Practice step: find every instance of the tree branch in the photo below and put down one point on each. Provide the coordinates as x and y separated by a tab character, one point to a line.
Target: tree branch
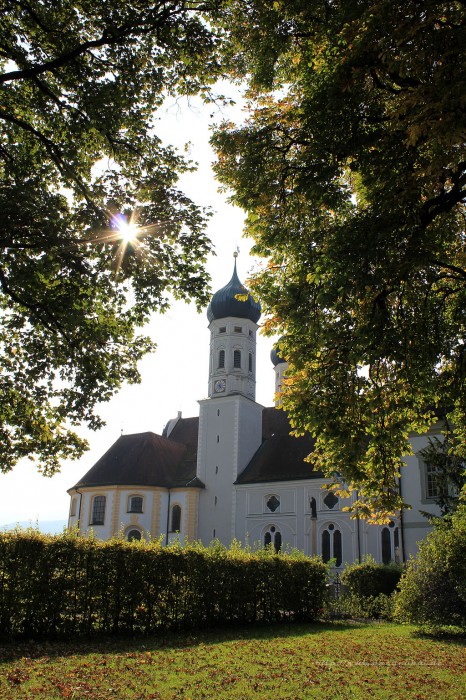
449	266
37	19
52	325
54	153
447	199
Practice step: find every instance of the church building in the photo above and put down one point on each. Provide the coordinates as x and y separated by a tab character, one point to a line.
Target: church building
234	472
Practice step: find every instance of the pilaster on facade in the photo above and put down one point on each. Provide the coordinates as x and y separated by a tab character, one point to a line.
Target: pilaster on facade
155	528
191	514
115	525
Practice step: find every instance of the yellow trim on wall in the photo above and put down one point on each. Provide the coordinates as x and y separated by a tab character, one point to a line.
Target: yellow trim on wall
155	529
192	501
115	521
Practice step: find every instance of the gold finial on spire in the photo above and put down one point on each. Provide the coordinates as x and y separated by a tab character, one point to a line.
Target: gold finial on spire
236	253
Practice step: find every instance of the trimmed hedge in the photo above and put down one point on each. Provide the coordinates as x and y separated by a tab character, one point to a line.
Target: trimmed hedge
69	585
370	579
352	607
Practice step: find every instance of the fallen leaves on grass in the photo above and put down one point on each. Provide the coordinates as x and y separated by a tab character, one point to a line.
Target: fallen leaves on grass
339	661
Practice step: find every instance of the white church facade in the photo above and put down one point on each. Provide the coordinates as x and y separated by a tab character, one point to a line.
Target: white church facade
234	472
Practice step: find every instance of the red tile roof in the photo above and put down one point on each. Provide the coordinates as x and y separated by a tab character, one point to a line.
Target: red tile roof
147	459
143	459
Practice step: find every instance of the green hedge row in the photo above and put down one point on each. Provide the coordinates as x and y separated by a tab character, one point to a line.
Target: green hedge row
68	585
369	579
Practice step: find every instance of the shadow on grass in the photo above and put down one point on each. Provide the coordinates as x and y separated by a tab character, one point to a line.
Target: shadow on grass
126	643
108	644
446	635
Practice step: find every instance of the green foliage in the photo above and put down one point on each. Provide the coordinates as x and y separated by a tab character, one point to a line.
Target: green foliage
70	585
433	589
350	606
80	86
367	591
371	579
351	167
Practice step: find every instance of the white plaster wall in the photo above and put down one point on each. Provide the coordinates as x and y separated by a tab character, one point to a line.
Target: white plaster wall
237	380
141	521
167	501
230	433
126	521
249	432
102	532
258	525
293	518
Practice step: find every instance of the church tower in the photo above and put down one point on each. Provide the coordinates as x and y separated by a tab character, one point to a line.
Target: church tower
230	420
280	367
233	316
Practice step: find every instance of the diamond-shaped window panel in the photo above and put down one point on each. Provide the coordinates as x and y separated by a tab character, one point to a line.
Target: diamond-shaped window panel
273	503
330	500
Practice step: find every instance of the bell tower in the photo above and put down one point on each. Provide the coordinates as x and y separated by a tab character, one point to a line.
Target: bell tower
230	420
280	366
233	316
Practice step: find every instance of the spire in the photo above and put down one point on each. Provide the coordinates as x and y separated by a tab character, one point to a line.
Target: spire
225	303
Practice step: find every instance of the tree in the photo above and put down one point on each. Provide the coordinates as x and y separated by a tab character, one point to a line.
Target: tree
352	169
433	589
79	88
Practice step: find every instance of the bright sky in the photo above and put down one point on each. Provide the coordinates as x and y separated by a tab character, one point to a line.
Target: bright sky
175	377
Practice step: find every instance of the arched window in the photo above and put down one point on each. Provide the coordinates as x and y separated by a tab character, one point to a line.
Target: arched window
273	536
176	519
390	540
386	546
332	546
237	359
98	510
135	504
221	359
250	362
326	546
337	548
133	535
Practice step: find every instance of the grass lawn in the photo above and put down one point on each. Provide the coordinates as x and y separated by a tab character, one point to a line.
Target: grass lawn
258	662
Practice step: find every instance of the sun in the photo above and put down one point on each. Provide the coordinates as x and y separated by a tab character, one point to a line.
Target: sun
127	230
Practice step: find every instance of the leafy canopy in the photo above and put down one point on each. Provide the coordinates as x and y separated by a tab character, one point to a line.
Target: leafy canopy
352	168
80	85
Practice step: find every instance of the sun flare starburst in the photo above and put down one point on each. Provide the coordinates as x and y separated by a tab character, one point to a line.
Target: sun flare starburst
127	230
127	237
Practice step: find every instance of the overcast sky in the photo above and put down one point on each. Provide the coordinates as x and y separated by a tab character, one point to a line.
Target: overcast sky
175	377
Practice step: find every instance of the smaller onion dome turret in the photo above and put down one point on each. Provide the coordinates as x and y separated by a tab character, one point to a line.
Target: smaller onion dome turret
275	354
224	302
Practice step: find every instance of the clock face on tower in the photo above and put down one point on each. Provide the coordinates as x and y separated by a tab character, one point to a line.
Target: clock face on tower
219	386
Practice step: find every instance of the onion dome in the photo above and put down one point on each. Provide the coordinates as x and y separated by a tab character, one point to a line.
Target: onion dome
275	354
224	302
